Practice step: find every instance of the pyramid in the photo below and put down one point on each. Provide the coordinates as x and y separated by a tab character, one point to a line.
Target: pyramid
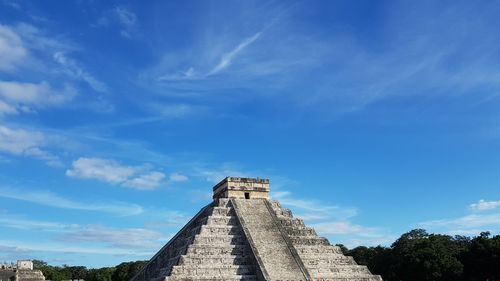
243	235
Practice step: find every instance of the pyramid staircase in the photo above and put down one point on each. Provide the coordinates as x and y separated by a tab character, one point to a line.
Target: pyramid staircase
210	247
242	235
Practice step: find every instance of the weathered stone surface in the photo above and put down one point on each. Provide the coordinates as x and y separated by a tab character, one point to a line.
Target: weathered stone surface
274	254
242	235
22	271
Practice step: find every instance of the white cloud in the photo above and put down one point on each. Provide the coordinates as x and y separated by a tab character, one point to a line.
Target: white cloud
74	69
230	56
56	201
217	174
36	39
313	209
468	221
102	169
18	97
176	177
122	17
470	224
344	228
5	109
84	234
26	143
189	74
127	19
138	238
149	180
111	171
225	62
12	50
23	246
27	224
483	205
174	110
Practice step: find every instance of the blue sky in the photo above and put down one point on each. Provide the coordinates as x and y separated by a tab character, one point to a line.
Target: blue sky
370	118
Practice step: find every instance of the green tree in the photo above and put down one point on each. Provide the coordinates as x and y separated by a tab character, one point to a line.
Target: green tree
100	274
482	259
424	257
126	270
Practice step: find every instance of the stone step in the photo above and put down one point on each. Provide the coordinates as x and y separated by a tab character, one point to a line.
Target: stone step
291	222
283	213
300	231
214	278
306	249
221	249
351	270
216	260
194	271
309	240
217	239
315	260
220	220
222	211
218	230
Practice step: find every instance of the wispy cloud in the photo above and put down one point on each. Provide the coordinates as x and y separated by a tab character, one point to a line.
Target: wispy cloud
127	19
23	246
27	224
50	73
50	199
27	143
175	110
215	175
176	177
468	221
227	58
12	51
111	171
314	209
483	205
225	61
74	69
122	17
126	238
469	224
345	228
27	97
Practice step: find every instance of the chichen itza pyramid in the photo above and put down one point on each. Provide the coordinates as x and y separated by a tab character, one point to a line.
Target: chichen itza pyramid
243	235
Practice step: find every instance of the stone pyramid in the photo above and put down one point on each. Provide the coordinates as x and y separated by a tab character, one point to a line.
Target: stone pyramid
243	235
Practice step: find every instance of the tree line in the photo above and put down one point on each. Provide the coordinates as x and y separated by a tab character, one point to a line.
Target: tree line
415	256
418	255
122	272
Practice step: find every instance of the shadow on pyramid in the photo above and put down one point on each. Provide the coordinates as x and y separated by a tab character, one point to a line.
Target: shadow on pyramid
243	235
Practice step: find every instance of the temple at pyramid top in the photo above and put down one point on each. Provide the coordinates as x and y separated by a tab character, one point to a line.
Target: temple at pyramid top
245	188
243	235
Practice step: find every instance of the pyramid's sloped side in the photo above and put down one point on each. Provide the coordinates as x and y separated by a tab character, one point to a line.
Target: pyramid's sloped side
161	264
322	260
275	254
219	250
210	247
